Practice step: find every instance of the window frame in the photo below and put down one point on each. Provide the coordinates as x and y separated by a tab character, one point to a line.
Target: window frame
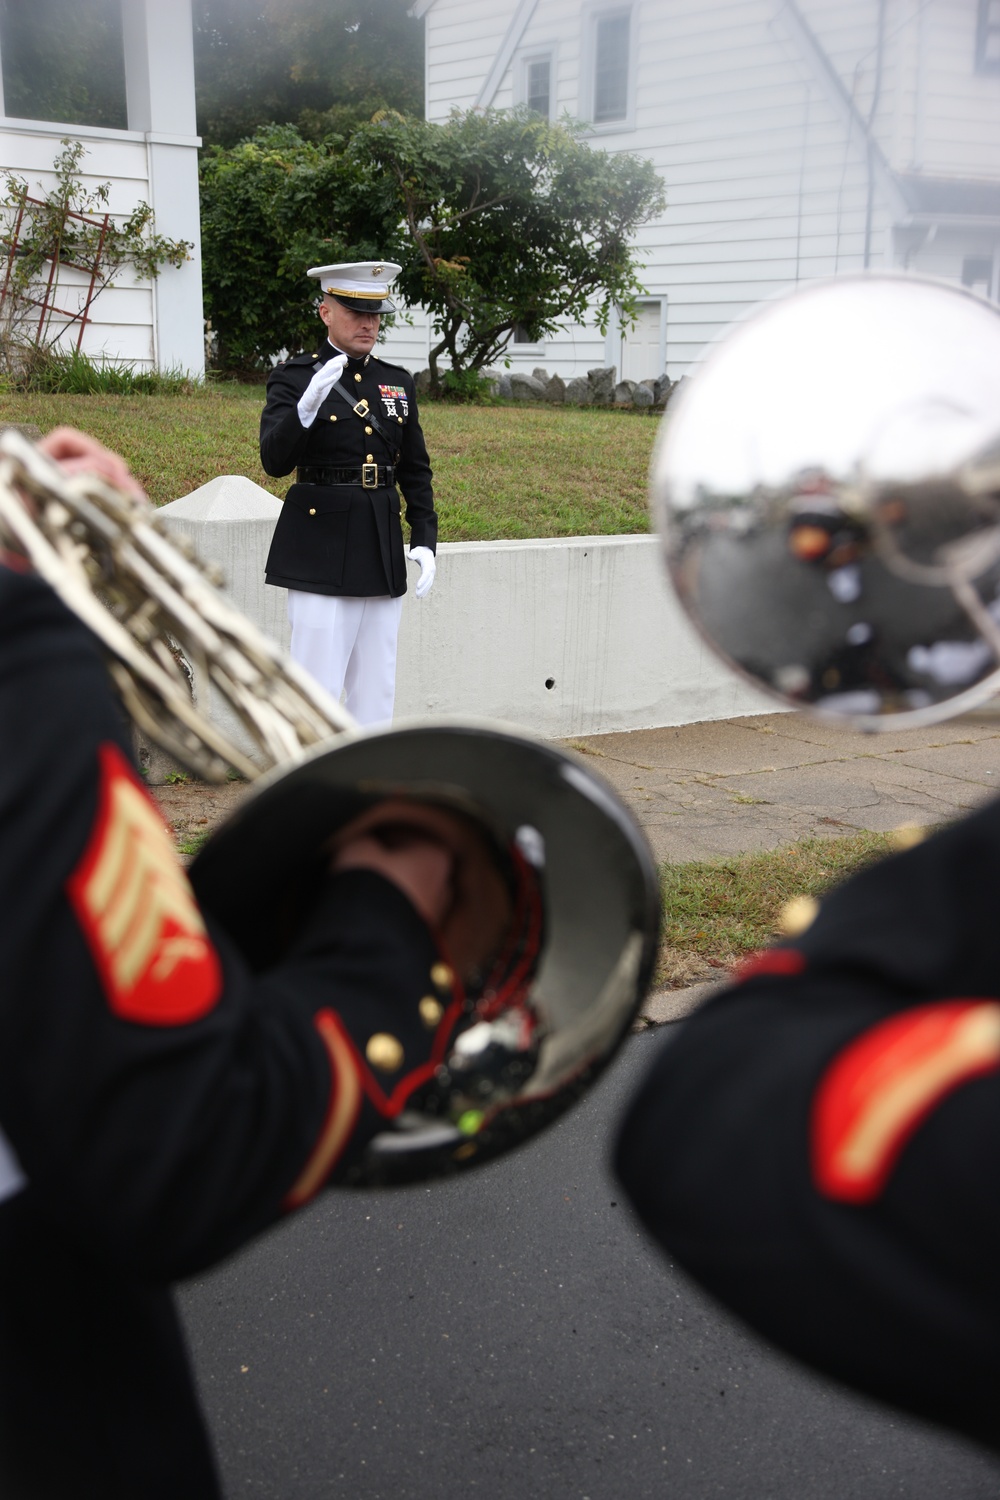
983	258
519	346
541	53
593	15
987	30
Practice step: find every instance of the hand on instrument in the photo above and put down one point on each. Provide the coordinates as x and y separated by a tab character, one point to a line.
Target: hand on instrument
77	453
442	863
425	560
394	841
320	387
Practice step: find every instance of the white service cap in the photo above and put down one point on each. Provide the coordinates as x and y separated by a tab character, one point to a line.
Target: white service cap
360	284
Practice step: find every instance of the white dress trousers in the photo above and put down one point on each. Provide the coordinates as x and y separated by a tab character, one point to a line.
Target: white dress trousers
349	646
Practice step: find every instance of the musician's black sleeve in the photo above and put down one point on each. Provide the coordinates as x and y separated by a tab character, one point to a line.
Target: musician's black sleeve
820	1146
163	1103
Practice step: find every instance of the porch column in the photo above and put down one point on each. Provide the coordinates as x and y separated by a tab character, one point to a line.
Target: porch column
159	84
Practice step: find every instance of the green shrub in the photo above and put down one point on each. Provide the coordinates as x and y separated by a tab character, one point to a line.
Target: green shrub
465	385
271	207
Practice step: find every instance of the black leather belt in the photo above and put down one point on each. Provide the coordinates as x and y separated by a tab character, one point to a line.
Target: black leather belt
369	476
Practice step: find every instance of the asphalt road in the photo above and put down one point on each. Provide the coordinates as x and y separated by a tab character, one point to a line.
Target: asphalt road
512	1334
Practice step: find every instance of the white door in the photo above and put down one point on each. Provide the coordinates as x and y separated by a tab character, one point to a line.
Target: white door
642	348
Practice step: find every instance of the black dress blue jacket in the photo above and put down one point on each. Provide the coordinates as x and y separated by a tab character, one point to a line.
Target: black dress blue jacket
820	1144
344	538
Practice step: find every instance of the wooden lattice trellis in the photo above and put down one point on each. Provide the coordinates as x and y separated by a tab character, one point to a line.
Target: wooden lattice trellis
47	303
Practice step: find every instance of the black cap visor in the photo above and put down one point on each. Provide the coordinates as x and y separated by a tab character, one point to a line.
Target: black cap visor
378	305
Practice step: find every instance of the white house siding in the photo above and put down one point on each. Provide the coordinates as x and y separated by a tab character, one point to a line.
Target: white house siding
936	114
751	152
952	113
406	343
466	38
122	316
761	146
155	161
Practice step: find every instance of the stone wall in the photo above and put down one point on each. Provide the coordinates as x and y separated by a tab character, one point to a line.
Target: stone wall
564	636
597	388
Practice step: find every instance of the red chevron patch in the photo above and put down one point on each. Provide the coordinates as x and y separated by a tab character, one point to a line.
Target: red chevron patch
883	1085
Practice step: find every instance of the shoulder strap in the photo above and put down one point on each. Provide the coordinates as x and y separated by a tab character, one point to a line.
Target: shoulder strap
363	410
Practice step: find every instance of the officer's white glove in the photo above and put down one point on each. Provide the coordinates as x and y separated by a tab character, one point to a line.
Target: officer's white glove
424	558
319	388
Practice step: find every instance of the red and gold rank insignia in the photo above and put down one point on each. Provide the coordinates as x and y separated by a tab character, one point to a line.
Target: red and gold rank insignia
878	1091
137	910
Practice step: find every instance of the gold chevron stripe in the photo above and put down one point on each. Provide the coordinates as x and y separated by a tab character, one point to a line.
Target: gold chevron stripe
137	911
345	1101
137	886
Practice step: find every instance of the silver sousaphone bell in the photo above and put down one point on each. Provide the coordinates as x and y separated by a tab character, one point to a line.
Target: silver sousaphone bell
827	486
516	1067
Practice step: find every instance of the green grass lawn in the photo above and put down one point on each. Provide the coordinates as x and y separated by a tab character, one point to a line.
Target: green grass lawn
500	472
716	912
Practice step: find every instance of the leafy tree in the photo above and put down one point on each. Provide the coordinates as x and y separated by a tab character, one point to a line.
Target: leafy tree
508	220
271	207
496	219
324	64
320	64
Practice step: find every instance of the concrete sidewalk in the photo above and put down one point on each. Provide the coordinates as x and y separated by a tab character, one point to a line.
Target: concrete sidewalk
704	791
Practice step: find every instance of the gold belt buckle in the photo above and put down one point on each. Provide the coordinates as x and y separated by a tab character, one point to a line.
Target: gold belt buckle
361	409
369	476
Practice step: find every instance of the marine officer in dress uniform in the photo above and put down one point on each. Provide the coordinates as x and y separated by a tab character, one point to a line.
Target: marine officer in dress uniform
347	421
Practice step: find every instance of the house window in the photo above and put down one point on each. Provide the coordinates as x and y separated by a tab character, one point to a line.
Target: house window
64	63
977	274
988	37
538	85
522	336
611	67
535	81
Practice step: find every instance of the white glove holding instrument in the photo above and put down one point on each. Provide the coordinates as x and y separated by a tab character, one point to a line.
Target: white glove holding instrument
319	388
424	558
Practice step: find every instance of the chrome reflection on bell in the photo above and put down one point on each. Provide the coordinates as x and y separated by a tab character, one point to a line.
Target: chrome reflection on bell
828	490
575	957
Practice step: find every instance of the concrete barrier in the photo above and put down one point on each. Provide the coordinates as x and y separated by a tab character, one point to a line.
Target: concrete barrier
568	637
